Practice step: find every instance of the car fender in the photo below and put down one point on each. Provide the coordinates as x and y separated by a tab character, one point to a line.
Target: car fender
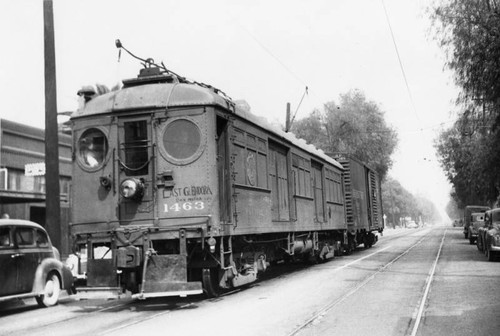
47	266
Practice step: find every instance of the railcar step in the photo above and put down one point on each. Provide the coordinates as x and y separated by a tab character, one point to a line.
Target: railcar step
100	293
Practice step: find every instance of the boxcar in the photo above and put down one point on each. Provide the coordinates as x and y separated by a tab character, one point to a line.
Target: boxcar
363	201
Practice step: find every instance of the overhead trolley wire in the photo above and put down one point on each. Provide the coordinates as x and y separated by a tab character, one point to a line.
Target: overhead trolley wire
306	91
273	56
400	62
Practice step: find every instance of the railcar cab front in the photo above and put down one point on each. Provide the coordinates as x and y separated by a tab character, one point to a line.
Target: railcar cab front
150	177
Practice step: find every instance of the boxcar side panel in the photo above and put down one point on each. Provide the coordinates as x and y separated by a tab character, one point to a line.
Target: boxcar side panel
359	195
300	193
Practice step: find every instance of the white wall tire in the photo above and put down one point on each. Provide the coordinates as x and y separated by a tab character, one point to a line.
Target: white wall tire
51	292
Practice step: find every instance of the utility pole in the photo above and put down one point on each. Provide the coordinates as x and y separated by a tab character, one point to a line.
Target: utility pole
52	191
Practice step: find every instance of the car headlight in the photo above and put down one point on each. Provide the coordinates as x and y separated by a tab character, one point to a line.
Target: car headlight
132	189
72	262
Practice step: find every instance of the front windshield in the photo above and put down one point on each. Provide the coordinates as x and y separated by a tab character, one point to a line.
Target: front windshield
495	217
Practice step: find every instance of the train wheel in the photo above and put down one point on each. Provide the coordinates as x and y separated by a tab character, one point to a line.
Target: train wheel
490	255
210	280
340	251
368	240
348	249
311	258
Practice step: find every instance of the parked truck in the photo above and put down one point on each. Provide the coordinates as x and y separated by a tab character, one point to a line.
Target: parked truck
469	209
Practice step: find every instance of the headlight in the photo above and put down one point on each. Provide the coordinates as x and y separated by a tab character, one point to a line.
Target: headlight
132	189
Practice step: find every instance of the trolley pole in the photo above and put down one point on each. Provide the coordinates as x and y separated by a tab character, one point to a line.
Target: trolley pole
288	122
52	193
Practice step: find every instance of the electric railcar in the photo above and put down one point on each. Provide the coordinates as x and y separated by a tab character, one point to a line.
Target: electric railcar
178	190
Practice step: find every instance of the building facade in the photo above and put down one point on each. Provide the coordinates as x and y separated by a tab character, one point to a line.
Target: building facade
22	180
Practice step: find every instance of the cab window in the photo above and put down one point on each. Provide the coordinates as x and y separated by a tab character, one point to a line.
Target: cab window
135	148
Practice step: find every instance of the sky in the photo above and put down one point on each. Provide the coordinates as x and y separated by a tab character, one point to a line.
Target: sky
265	52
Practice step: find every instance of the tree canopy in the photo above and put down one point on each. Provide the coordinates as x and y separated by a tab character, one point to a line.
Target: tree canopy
399	203
355	126
452	210
469	32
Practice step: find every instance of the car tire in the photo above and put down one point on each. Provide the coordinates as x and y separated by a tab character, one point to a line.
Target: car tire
51	291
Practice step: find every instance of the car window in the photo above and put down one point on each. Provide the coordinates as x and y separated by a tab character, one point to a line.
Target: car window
4	237
41	239
24	237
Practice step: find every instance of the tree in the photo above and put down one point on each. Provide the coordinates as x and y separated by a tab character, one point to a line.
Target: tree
355	126
426	210
469	162
400	203
310	128
394	201
452	210
469	32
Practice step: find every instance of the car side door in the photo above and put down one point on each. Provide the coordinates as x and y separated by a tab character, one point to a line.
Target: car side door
27	257
8	270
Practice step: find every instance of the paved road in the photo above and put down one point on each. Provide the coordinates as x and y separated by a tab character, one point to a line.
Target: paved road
426	281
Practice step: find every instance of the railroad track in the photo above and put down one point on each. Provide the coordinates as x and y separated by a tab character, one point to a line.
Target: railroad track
149	310
419	312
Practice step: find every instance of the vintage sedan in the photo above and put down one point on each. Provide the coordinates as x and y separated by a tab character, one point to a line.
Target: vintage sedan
482	230
30	265
489	234
476	221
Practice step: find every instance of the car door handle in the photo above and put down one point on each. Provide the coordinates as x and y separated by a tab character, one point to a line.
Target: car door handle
17	255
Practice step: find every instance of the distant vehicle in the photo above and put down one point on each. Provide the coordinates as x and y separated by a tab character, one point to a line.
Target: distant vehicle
77	262
30	265
412	225
467	212
489	235
481	232
476	221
